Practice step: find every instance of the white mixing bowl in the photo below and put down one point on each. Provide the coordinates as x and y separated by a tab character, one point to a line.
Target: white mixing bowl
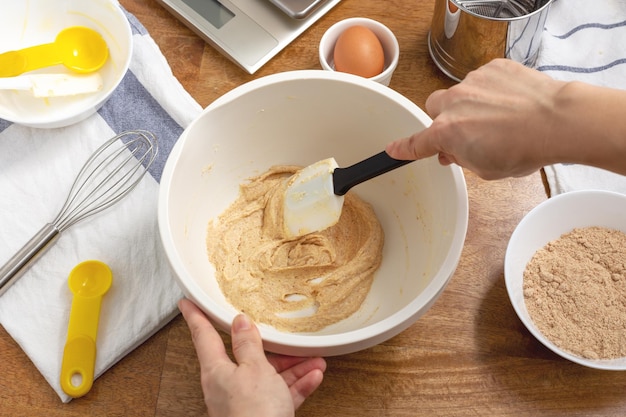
34	22
301	117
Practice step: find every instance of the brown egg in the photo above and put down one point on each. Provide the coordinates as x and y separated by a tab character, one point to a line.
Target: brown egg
358	51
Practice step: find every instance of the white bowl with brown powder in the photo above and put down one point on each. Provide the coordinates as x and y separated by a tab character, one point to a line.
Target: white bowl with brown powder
565	272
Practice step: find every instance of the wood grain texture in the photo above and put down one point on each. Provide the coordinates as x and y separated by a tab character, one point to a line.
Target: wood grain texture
468	356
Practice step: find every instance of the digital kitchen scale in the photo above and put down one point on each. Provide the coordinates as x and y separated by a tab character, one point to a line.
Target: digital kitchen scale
249	32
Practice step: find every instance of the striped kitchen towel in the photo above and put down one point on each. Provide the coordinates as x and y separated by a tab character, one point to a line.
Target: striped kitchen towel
38	166
585	41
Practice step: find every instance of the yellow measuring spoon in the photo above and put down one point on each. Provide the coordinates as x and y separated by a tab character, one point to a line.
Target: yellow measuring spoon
88	281
79	48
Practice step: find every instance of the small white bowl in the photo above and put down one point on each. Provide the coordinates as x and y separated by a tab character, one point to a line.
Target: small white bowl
301	117
384	34
36	22
547	222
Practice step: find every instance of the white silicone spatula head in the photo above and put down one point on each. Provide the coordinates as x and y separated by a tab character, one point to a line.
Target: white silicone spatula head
310	201
314	195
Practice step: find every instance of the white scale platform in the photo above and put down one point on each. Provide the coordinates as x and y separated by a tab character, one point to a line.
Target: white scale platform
249	32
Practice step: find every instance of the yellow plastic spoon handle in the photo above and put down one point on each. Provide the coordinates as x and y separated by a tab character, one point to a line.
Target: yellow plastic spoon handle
79	48
88	281
13	63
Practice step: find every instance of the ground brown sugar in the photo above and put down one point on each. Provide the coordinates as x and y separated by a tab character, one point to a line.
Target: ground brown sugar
575	292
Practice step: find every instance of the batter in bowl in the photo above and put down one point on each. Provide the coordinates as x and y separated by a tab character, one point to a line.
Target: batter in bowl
298	284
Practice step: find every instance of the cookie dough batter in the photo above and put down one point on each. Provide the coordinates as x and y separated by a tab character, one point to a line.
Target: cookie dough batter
294	284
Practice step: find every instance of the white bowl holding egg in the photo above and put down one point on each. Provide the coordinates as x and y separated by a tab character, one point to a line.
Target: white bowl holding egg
299	118
545	223
388	42
36	22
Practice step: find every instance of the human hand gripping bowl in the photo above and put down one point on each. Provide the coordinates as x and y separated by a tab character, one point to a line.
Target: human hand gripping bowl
314	195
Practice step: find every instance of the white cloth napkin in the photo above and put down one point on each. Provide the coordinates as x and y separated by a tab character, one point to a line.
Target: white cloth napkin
37	167
585	41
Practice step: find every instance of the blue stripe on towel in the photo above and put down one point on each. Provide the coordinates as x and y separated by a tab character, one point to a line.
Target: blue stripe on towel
518	39
590	26
582	70
136	26
585	70
4	124
132	107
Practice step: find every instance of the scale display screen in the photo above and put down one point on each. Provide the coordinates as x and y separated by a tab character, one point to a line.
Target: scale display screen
212	10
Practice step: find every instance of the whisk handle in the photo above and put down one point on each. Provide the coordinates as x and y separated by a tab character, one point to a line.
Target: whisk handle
25	257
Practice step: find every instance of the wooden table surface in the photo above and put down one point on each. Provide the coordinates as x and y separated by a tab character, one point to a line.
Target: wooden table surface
468	356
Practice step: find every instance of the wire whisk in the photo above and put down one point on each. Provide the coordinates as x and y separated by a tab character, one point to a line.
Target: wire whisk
109	175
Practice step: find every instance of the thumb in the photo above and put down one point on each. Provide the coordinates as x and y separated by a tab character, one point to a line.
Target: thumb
246	339
416	146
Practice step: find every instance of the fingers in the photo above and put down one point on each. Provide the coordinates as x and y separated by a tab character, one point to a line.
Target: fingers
305	386
421	144
445	159
302	375
247	343
246	340
435	102
207	342
416	146
292	368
